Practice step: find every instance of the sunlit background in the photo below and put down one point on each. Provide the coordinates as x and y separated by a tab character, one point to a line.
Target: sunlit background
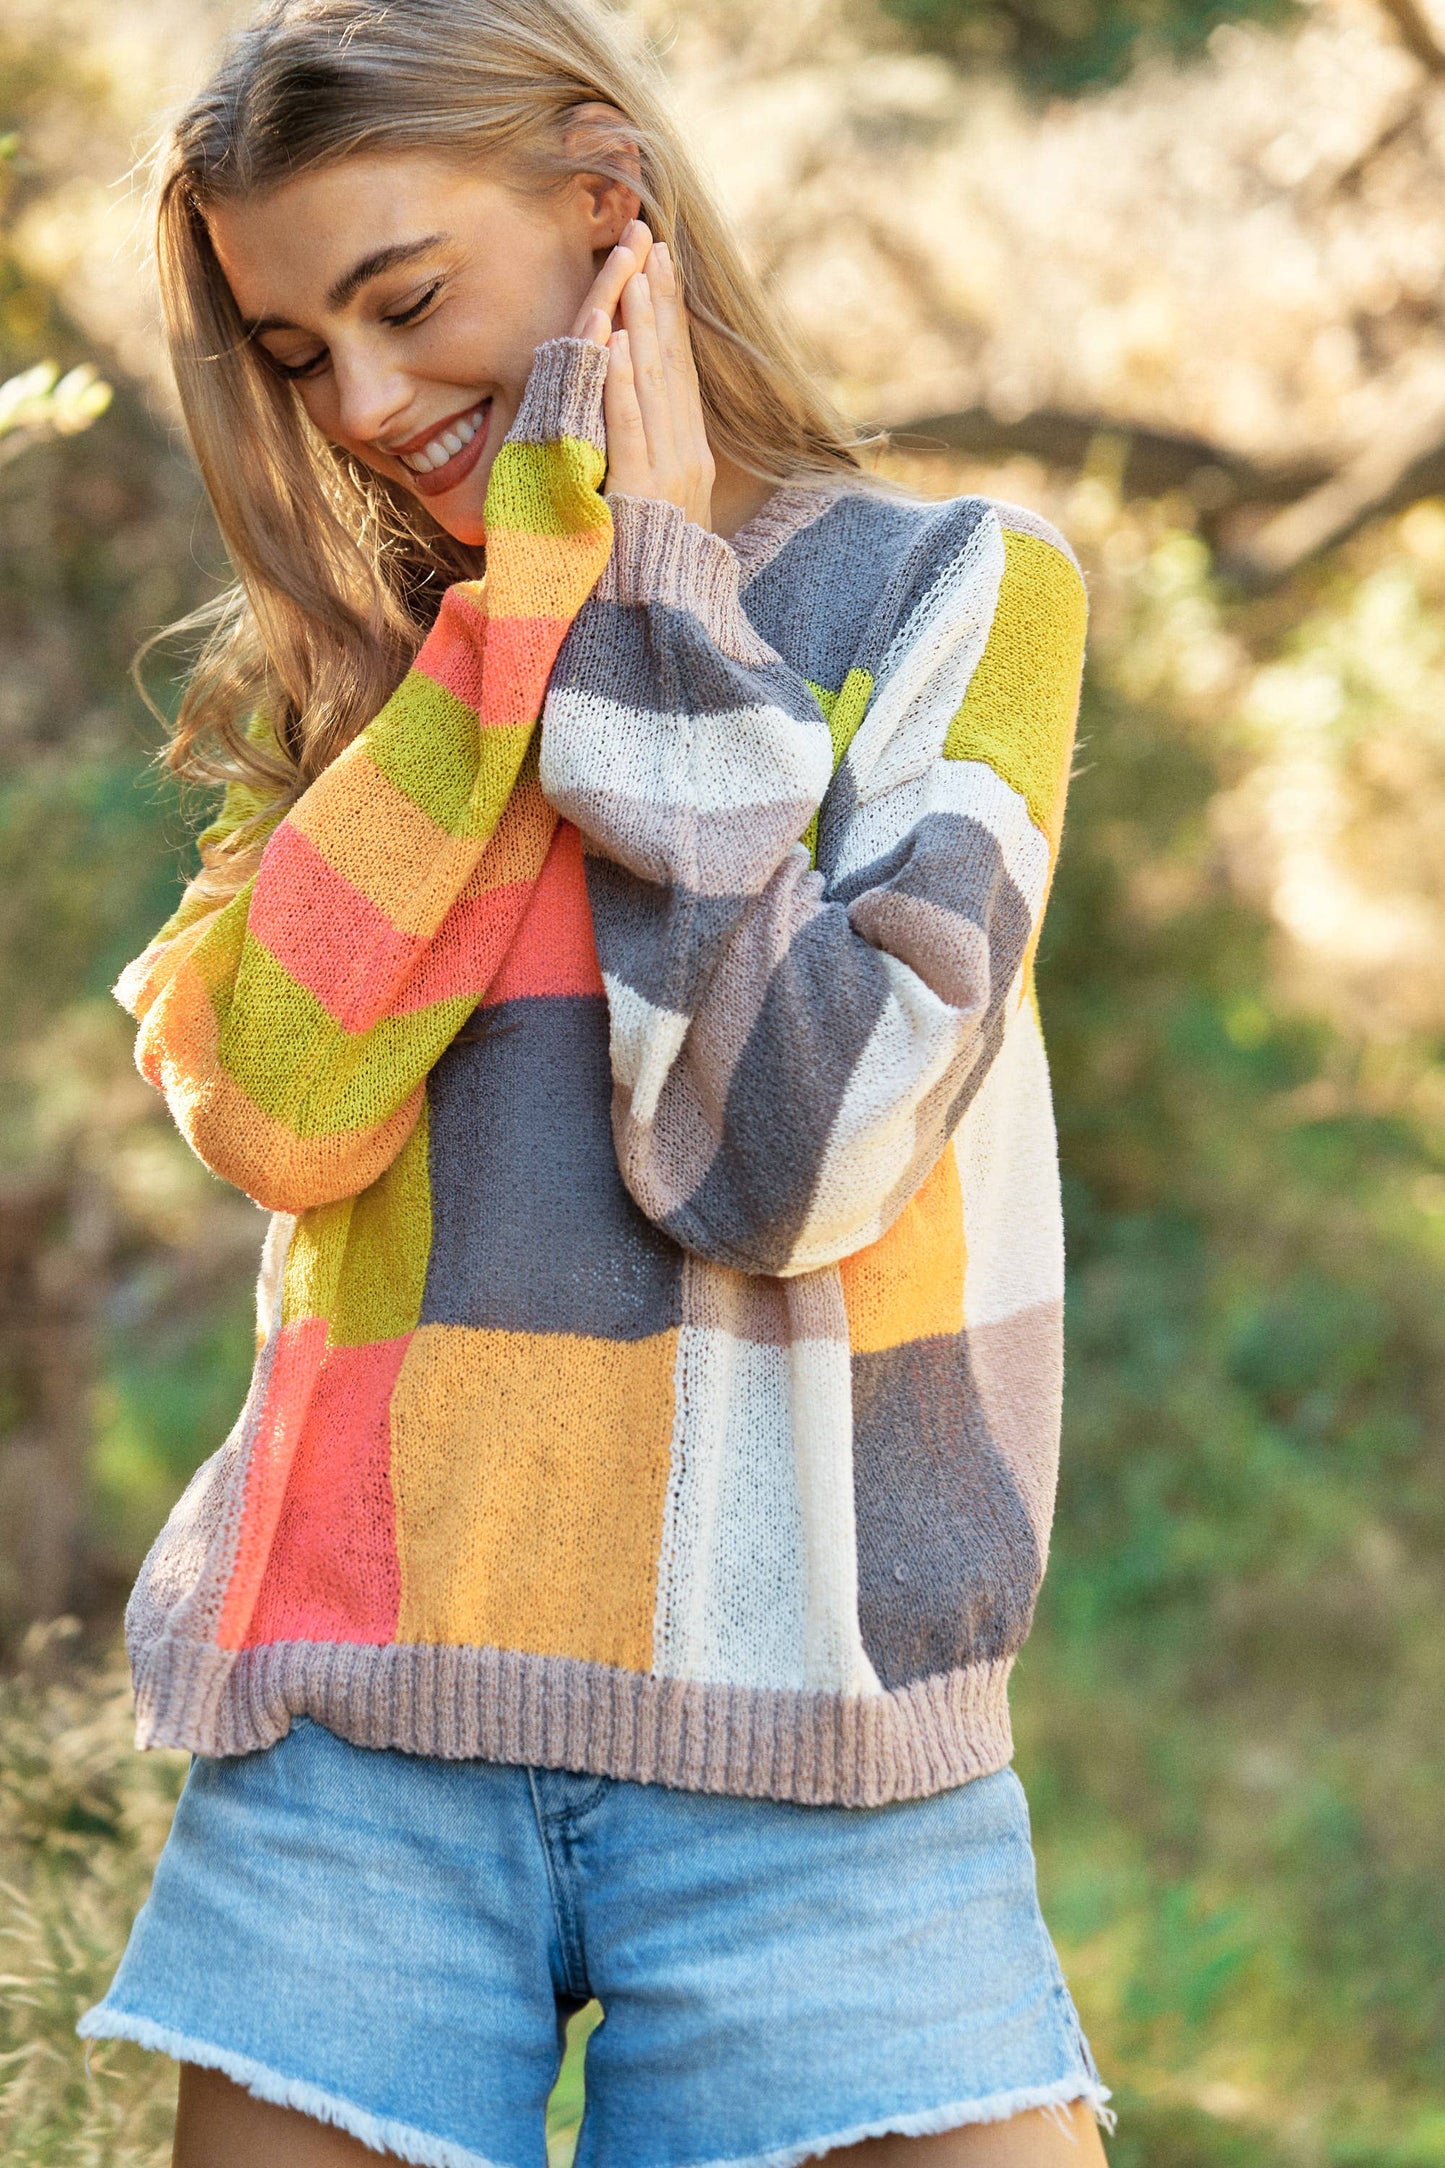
1170	271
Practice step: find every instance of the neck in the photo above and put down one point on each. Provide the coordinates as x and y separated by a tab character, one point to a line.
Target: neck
736	496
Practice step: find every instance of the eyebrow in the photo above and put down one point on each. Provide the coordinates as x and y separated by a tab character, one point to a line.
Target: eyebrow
351	282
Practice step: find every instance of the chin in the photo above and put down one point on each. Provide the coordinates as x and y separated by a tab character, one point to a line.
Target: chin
470	530
462	513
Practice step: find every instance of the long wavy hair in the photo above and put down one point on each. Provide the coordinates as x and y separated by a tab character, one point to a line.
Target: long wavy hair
338	571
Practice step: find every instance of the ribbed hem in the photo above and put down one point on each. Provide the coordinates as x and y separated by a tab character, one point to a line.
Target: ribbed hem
380	2132
927	2122
563	395
820	1749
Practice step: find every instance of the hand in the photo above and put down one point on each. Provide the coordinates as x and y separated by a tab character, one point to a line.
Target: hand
656	438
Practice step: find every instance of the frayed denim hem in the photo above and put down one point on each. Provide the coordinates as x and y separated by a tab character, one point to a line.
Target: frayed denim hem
376	2131
426	2151
927	2122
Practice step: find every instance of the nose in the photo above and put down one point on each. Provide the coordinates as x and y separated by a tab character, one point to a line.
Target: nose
371	394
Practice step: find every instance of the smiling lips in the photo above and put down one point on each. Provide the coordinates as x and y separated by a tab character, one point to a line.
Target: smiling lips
448	458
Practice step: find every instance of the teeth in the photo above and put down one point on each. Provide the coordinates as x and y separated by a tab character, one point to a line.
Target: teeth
446	446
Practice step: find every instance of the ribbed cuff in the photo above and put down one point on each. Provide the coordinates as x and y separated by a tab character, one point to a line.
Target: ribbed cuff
660	556
563	395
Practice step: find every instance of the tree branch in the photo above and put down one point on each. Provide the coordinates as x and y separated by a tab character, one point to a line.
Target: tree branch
1153	462
1318	506
1416	33
1390	474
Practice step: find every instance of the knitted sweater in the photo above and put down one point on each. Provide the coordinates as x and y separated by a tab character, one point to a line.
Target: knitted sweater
633	1036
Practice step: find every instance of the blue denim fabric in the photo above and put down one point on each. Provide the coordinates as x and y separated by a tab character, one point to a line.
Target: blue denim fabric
393	1943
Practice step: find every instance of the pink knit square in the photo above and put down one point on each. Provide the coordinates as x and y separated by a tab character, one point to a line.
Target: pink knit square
332	1574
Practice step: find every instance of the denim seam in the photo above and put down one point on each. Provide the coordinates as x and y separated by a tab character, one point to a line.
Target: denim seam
564	1911
566	1817
1074	2030
570	1837
1071	2027
1064	2010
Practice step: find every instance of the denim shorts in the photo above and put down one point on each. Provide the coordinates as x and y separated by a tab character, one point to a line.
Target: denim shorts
393	1944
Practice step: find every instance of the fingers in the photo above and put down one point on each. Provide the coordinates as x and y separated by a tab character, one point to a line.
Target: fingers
689	425
628	466
672	338
652	379
622	264
671	316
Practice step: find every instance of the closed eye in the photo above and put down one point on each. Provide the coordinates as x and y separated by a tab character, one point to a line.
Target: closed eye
292	370
418	308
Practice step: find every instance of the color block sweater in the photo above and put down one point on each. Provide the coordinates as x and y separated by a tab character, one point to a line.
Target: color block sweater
633	1036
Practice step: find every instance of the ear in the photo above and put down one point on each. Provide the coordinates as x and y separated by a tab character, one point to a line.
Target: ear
599	131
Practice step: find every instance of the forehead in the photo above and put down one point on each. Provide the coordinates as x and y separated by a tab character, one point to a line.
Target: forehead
284	250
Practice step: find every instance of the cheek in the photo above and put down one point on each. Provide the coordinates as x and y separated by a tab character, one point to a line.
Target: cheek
497	327
318	404
316	397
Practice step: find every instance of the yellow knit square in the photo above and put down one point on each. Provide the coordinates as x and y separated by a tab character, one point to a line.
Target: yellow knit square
530	1472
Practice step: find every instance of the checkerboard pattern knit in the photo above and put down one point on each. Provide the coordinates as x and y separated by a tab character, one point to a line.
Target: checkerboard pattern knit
633	1037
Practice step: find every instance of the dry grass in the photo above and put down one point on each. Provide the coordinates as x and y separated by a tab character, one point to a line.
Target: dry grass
82	1817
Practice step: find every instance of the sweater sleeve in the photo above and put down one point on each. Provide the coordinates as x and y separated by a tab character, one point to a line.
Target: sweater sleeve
292	1027
793	1043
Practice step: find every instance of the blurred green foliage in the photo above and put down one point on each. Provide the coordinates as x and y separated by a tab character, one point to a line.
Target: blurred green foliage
182	1379
1229	1714
1068	46
102	537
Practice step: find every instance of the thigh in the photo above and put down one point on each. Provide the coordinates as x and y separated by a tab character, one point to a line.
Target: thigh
776	1977
220	2125
1031	2140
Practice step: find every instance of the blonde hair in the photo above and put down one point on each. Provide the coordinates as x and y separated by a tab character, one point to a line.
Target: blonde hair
338	571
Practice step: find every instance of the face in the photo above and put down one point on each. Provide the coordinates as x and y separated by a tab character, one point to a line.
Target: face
404	297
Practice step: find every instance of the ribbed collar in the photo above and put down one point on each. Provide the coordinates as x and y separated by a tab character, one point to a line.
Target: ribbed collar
791	508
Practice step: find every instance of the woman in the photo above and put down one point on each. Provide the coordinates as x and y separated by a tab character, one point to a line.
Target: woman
612	966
